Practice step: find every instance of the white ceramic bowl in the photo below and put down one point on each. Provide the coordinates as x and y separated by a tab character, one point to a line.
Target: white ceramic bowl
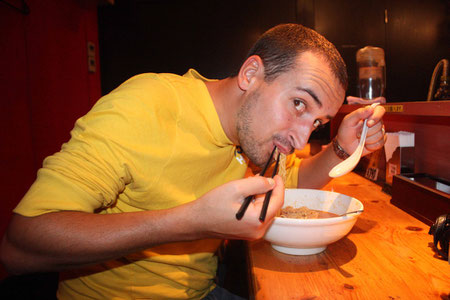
311	236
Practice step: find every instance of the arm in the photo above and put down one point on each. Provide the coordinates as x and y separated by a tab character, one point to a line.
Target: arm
63	240
313	172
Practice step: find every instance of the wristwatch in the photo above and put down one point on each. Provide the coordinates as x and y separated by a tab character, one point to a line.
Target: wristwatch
340	152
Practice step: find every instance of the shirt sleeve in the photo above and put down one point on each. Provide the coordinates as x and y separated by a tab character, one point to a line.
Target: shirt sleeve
85	175
99	160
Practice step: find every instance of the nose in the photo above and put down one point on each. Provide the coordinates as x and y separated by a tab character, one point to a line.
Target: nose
300	134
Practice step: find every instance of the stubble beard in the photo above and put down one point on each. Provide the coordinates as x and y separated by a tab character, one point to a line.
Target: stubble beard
252	148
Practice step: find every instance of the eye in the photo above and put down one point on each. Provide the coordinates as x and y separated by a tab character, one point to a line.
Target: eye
299	105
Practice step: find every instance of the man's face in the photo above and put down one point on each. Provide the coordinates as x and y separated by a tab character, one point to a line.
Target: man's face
285	111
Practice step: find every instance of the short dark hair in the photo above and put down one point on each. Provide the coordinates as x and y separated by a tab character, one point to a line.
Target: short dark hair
280	46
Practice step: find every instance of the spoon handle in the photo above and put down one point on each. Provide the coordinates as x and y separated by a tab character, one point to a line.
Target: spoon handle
362	140
365	127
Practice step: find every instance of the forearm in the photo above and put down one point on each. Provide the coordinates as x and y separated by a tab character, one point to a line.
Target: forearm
62	240
313	171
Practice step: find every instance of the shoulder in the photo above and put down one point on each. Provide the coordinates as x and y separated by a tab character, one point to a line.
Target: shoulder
149	101
153	89
157	82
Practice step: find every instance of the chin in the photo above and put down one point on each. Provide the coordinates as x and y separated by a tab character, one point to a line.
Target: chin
259	159
254	168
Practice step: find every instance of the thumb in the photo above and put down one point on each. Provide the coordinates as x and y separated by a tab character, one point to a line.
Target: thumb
357	117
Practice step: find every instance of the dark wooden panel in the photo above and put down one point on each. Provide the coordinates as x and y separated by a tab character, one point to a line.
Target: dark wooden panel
351	25
426	203
418	37
415	37
172	36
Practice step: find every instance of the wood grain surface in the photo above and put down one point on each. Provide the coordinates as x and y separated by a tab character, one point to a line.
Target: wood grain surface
387	255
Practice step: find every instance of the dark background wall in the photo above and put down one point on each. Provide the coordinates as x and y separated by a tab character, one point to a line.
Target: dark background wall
415	35
213	36
172	36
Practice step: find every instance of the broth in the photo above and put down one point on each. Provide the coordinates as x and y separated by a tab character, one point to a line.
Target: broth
305	213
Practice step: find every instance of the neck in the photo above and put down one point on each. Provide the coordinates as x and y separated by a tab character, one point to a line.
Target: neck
225	95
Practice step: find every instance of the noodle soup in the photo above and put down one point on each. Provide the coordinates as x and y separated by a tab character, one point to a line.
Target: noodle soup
305	213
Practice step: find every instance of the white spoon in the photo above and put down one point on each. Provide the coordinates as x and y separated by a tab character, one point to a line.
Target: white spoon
350	163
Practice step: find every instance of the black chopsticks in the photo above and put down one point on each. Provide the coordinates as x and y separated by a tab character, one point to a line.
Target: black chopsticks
262	216
249	199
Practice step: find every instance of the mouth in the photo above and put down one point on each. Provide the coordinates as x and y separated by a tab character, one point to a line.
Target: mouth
285	149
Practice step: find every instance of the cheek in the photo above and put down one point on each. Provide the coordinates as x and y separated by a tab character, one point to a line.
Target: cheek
281	114
288	120
279	122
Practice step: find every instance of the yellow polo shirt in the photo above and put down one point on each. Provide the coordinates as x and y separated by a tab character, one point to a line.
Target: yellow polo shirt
153	143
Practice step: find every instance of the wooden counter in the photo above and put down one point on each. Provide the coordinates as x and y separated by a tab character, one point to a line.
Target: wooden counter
387	255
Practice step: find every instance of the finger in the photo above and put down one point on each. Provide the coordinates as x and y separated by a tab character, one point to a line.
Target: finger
376	139
376	145
374	130
376	116
253	186
381	100
353	99
356	118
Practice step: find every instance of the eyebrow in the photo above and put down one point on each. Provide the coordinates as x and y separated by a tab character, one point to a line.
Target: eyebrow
312	94
316	99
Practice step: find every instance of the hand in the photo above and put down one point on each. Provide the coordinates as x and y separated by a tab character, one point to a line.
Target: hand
216	210
351	127
357	100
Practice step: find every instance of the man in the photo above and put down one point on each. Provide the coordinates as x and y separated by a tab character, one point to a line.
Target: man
136	203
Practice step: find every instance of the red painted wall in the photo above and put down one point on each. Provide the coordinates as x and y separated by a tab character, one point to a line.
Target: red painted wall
45	86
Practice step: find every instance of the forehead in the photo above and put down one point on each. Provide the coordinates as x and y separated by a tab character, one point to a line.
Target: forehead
312	72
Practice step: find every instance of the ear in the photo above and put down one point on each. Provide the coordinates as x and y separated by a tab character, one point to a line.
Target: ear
251	70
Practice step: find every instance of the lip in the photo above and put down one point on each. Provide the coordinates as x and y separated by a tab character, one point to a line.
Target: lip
283	149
